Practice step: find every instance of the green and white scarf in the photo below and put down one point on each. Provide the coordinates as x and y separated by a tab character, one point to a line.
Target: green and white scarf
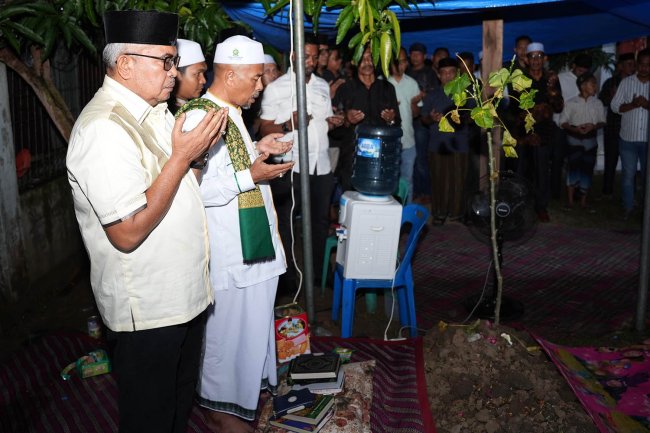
254	230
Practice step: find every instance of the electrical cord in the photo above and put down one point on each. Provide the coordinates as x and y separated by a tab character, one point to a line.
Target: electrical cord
487	276
392	307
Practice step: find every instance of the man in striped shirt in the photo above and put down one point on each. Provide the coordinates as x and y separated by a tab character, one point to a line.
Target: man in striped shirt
632	102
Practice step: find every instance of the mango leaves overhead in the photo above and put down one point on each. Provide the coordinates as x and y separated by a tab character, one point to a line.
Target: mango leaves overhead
79	22
375	23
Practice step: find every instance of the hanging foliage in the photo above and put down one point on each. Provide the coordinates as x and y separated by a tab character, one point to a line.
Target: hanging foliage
373	21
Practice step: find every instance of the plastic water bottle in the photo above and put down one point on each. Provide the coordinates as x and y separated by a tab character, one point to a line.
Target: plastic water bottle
376	165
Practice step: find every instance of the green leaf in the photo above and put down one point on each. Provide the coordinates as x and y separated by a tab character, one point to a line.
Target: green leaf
508	139
277	7
337	3
308	6
26	32
344	27
529	122
385	52
342	15
358	53
316	16
499	79
510	152
355	40
10	10
519	81
527	99
89	7
396	31
371	19
457	85
375	48
83	38
361	5
460	99
9	36
482	117
445	126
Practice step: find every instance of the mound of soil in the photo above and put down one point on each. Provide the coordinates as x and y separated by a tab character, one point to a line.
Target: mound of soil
478	381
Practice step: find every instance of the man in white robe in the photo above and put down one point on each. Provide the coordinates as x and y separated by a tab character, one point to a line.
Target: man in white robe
239	348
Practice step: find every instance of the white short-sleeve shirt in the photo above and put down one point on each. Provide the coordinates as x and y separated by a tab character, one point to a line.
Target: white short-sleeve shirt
164	281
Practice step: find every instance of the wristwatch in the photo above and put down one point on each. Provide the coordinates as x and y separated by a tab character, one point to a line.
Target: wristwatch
200	165
285	128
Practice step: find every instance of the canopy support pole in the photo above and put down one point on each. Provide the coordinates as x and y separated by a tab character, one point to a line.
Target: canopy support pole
301	93
645	249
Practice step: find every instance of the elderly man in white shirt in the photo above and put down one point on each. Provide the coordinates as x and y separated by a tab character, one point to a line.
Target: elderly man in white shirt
141	217
632	102
279	115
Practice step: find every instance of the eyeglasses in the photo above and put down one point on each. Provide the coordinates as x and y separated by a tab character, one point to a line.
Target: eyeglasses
168	60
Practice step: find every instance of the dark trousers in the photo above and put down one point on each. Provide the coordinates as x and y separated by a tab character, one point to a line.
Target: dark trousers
611	136
533	164
421	175
557	153
448	180
157	370
320	187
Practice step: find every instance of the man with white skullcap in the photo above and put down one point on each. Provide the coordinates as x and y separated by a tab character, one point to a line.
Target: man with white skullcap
271	71
239	347
142	220
191	74
534	149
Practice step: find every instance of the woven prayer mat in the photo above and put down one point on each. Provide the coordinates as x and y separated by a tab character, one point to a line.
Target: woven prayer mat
572	281
34	398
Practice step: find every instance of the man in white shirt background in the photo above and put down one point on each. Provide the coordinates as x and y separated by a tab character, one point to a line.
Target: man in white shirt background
279	115
631	101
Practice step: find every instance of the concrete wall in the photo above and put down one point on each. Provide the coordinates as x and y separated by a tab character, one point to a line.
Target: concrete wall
49	228
39	236
13	271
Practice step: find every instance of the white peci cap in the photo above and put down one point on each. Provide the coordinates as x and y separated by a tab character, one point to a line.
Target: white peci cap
190	52
534	46
239	50
269	59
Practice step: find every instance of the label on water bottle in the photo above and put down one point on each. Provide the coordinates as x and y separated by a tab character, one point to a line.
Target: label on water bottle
369	147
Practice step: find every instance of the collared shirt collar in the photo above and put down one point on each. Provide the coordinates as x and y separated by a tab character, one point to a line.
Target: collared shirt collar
222	102
133	103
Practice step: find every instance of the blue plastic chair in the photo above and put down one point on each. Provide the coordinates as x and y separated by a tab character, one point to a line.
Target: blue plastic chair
345	289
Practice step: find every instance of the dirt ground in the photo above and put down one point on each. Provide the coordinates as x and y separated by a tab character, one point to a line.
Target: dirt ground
477	386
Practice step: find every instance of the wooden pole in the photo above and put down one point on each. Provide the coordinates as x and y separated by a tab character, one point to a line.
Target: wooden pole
491	61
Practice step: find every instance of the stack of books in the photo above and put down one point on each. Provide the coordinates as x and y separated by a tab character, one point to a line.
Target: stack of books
307	420
310	403
319	373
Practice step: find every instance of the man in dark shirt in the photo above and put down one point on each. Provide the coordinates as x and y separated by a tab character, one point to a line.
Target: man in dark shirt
448	151
533	149
427	80
625	66
365	99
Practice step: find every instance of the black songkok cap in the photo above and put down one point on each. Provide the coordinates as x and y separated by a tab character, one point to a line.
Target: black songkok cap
141	27
447	62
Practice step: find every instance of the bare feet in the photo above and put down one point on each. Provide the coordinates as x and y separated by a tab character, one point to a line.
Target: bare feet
220	422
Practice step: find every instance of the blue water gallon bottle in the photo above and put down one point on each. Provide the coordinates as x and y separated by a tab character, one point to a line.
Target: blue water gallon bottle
376	165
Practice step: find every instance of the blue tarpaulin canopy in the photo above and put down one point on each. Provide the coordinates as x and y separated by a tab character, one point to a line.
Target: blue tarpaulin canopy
561	25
